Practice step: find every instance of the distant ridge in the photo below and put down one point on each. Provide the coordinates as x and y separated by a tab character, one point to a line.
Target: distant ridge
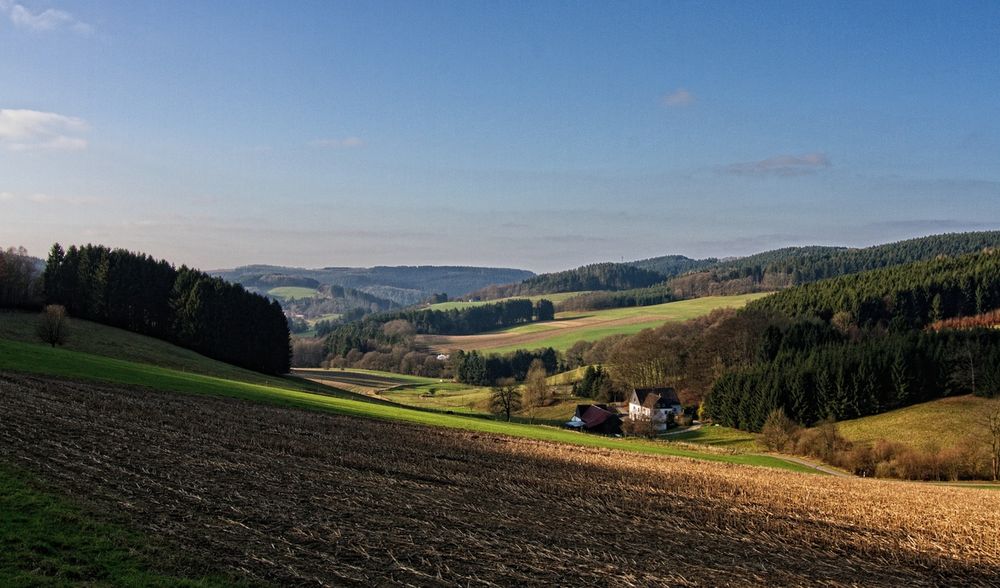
403	285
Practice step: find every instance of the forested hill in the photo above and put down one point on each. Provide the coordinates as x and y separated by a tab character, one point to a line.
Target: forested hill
674	265
598	276
403	285
781	268
135	292
905	296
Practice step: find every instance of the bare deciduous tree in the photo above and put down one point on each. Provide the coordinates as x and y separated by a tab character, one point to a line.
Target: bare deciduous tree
993	421
537	391
505	398
53	326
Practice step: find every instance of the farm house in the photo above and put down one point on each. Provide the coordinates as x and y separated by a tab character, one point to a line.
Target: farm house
657	404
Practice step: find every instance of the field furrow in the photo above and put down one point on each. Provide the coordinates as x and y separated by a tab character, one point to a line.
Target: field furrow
294	498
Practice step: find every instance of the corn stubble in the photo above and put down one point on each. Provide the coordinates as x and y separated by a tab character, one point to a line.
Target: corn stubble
292	498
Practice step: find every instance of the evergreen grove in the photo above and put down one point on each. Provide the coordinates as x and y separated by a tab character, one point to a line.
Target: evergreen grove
187	307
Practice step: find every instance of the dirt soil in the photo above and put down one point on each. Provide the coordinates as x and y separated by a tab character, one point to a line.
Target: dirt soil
298	498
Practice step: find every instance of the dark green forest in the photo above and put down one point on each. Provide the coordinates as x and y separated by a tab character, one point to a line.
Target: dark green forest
781	268
674	265
598	276
908	296
187	307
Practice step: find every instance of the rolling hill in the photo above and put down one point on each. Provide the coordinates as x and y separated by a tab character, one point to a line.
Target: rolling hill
403	285
780	268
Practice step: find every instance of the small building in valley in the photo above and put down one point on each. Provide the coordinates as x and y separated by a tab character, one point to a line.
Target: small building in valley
596	418
659	405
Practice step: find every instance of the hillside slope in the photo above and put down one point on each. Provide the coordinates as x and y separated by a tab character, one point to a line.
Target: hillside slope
942	423
403	285
772	270
101	340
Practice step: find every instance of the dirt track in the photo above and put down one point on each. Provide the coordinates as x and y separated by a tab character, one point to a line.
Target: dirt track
293	497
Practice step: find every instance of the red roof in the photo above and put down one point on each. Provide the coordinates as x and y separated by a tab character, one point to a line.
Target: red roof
595	416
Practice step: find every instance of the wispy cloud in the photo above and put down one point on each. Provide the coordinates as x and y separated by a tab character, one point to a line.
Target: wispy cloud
30	130
782	165
678	98
51	19
49	199
345	143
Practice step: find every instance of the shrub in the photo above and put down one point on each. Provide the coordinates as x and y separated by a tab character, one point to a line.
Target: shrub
53	327
779	432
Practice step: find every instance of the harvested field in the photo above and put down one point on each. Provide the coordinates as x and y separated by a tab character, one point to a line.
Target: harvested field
295	498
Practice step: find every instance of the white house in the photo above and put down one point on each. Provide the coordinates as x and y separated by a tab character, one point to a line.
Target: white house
656	404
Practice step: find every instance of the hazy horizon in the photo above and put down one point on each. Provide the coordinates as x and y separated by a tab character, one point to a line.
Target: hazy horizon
539	137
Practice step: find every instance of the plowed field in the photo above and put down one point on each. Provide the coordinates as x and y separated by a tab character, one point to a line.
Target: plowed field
298	498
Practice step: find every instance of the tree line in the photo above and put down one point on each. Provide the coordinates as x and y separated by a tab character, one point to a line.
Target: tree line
136	292
781	268
604	300
901	297
368	334
847	379
480	369
20	279
598	276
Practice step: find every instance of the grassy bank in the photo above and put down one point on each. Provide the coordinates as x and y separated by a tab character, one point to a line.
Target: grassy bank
46	540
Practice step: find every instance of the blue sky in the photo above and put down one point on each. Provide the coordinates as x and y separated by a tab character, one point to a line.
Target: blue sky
541	135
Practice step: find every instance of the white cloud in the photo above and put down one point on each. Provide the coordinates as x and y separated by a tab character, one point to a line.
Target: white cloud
345	143
30	130
50	19
782	165
44	198
678	98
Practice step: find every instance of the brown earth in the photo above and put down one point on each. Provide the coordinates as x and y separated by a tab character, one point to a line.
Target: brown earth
300	498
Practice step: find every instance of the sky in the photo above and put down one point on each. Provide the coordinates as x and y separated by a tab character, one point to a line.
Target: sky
538	135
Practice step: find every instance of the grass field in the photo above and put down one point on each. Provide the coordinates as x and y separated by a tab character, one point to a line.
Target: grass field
554	298
46	540
570	327
292	292
40	359
435	394
294	498
567	378
722	437
98	339
942	422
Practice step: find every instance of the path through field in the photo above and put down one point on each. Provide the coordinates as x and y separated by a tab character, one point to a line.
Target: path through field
295	498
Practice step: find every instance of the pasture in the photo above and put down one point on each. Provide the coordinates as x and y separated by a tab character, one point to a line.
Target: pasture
292	292
102	340
943	422
570	327
289	497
